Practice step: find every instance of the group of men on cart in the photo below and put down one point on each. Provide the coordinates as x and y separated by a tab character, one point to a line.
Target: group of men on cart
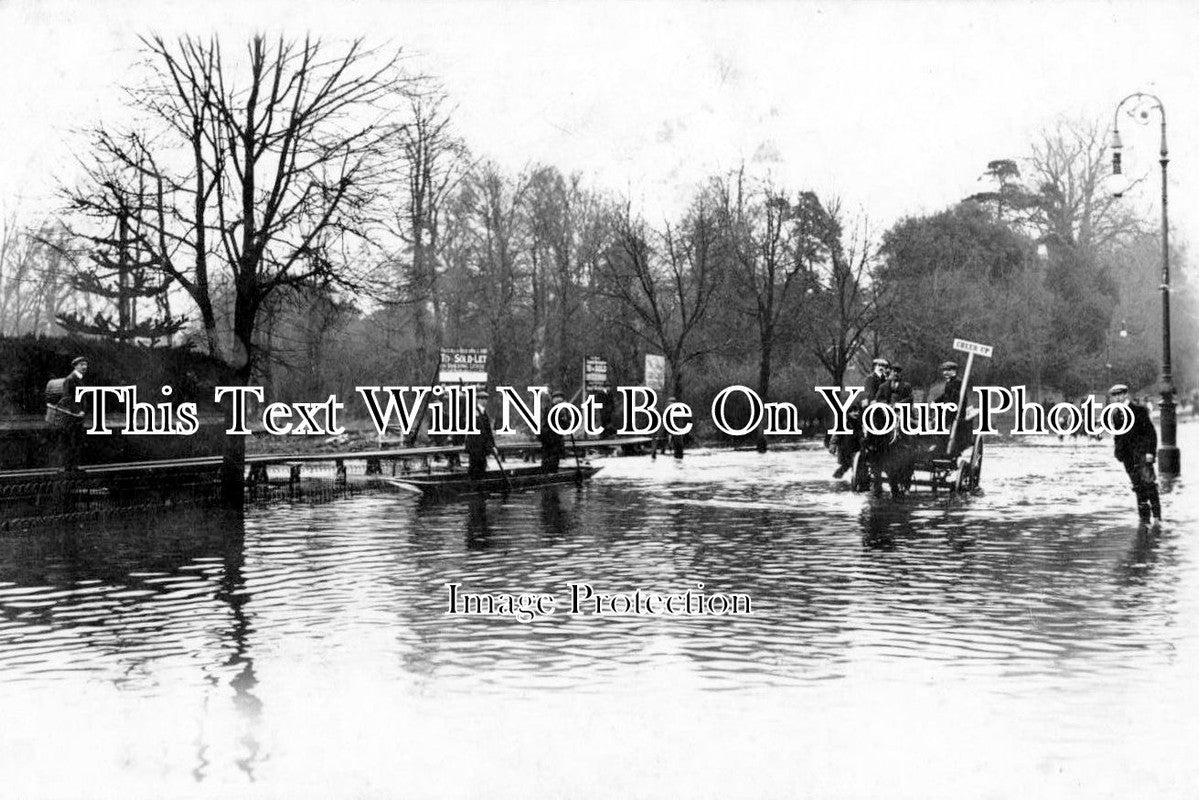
885	384
1135	449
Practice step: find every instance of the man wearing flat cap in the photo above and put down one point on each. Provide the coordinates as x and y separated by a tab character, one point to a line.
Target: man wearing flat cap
845	446
479	445
952	392
65	415
1136	449
876	378
68	415
895	389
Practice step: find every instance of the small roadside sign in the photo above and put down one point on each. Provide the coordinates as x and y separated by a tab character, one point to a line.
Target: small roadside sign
463	365
595	374
973	348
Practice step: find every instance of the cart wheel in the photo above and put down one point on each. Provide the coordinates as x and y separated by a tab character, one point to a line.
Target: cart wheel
976	462
962	484
965	478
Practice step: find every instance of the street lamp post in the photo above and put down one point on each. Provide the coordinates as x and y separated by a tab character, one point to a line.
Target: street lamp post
1167	454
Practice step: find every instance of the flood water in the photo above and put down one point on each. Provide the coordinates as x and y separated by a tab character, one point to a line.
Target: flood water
1027	641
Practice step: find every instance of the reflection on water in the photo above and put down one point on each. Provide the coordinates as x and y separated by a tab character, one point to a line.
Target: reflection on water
222	650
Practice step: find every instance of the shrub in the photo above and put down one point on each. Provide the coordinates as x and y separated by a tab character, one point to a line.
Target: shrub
29	362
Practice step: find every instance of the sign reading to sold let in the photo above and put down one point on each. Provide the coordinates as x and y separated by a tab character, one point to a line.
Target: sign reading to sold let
463	365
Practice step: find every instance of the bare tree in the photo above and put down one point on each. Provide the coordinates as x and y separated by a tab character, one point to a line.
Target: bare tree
113	262
775	244
568	226
669	288
266	166
1071	205
846	303
299	326
494	213
34	277
434	162
270	166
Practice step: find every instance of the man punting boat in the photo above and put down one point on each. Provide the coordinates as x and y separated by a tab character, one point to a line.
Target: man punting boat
479	445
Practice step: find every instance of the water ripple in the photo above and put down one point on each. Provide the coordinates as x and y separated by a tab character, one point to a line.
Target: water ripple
1041	583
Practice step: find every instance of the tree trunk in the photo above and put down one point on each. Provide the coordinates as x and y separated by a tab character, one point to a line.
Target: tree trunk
676	375
123	293
764	382
233	463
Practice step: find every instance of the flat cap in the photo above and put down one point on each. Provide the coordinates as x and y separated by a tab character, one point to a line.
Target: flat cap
949	365
78	360
881	362
1119	388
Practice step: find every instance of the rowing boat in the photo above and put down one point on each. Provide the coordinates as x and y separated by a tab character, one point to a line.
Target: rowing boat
457	484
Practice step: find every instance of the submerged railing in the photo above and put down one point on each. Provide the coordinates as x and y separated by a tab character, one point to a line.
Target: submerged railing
42	498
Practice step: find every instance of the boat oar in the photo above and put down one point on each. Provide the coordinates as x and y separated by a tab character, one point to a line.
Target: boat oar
499	461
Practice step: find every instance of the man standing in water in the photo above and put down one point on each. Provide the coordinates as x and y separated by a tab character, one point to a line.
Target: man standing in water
479	445
553	445
1137	451
607	411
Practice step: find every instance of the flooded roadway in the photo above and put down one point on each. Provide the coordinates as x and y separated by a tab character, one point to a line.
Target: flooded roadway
1030	640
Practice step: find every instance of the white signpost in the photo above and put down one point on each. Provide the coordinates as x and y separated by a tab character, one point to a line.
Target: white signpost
971	349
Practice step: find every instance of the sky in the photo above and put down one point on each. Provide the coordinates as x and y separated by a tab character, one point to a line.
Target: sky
894	107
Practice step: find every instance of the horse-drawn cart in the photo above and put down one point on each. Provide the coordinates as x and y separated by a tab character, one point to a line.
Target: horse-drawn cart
952	462
917	461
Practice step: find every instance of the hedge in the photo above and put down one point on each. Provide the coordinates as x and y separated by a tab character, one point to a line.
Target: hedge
28	362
